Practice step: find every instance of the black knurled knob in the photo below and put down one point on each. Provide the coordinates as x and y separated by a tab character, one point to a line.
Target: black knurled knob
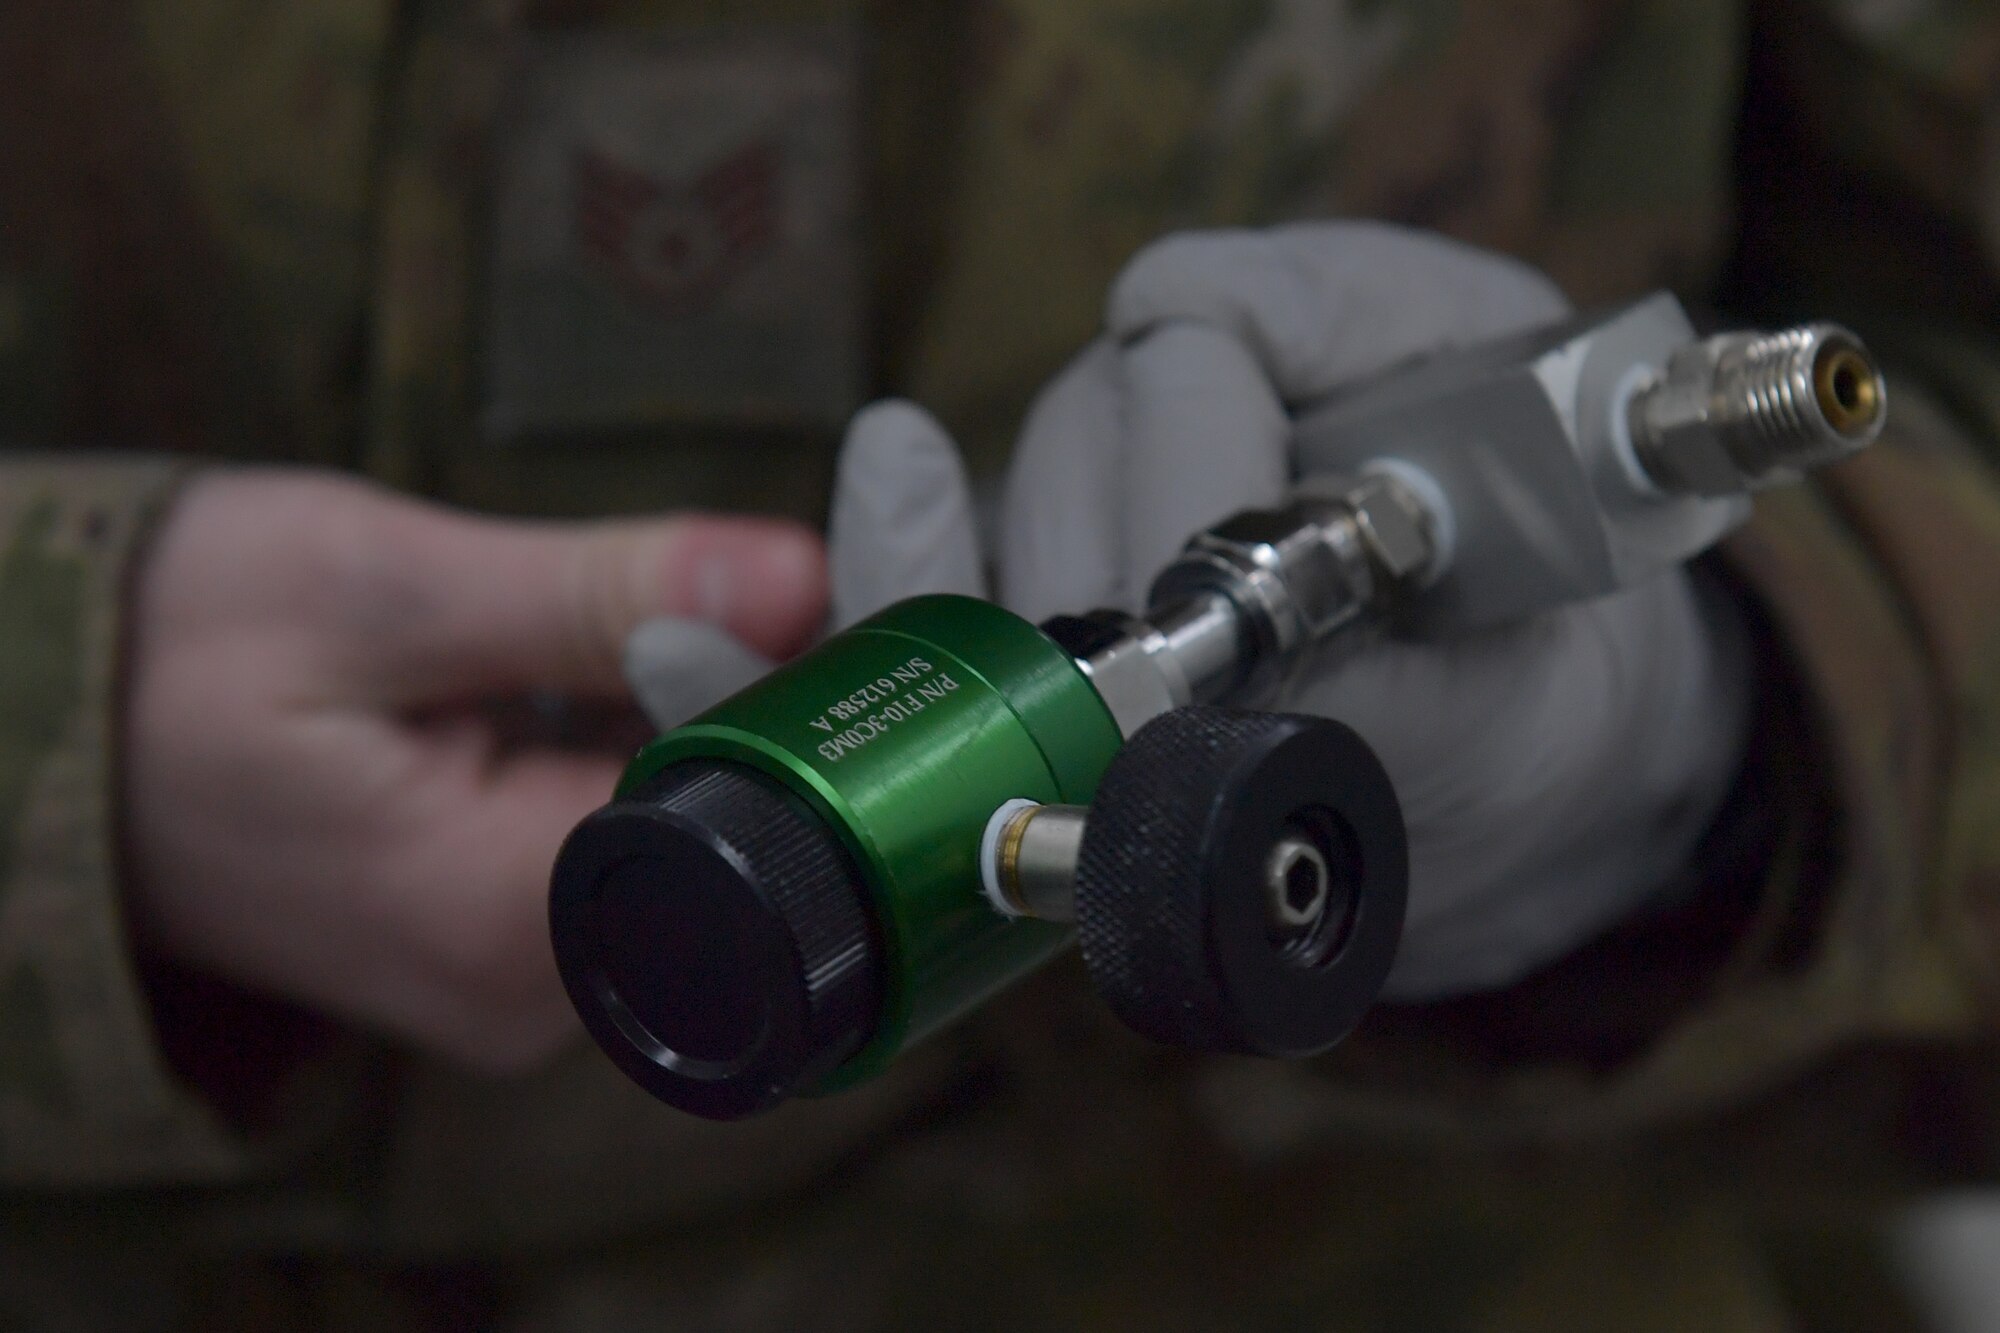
1241	882
714	936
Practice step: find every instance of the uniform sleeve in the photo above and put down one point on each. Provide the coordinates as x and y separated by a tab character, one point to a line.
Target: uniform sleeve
1879	125
85	1095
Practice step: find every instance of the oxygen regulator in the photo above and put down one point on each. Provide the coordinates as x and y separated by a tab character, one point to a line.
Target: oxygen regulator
872	840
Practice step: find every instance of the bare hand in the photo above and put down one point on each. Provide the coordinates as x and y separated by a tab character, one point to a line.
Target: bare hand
319	801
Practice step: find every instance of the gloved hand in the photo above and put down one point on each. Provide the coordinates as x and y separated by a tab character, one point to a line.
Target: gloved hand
1554	774
901	525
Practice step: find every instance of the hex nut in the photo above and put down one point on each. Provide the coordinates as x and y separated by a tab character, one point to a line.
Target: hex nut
1297	881
1675	427
1394	526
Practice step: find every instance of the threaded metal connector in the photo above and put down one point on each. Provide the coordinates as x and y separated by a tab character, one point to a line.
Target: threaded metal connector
1746	410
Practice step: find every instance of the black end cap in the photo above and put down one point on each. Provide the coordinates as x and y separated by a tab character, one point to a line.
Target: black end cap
715	937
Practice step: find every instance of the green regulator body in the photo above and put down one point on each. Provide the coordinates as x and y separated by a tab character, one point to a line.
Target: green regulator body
899	738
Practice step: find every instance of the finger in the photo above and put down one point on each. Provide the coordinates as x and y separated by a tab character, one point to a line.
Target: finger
1061	511
502	606
679	667
902	514
480	982
1319	304
1205	436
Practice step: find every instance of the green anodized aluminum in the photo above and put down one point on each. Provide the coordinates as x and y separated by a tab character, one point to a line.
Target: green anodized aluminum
905	733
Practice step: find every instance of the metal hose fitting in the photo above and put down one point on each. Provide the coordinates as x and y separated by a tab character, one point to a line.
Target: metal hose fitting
1749	410
1028	857
1228	618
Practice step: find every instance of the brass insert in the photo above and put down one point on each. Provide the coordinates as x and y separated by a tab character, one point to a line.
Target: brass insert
1847	386
1010	855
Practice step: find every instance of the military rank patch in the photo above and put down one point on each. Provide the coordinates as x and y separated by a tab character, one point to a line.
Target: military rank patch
675	235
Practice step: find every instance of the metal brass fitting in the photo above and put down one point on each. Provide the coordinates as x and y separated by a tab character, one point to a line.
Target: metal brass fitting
1128	661
1301	568
1028	859
1225	619
1399	530
1574	460
1341	547
1745	411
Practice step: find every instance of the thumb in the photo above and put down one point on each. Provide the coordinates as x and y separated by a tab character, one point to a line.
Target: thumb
902	514
510	606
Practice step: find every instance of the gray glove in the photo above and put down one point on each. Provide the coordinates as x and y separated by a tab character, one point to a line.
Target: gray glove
1554	774
901	525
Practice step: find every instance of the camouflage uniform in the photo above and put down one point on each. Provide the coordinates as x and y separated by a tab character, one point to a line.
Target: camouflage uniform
310	231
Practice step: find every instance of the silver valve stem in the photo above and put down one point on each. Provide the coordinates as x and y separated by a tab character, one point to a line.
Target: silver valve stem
1029	857
1228	617
1743	411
